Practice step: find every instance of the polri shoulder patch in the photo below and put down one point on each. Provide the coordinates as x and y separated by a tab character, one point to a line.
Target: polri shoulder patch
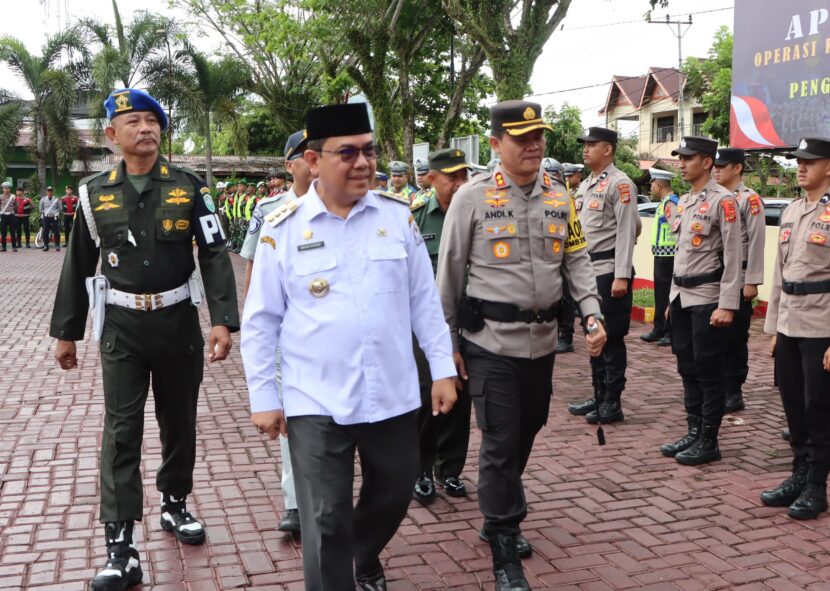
394	197
282	213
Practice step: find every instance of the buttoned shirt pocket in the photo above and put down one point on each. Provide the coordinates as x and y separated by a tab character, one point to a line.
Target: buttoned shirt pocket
817	252
699	234
173	223
315	278
554	235
501	243
593	211
784	241
388	267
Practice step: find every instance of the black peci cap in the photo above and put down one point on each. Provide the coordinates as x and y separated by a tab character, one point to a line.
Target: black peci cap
599	134
692	144
812	148
730	156
517	117
338	121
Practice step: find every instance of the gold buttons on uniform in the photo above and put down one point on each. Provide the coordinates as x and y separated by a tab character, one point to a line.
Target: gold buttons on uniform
319	287
308	235
381	232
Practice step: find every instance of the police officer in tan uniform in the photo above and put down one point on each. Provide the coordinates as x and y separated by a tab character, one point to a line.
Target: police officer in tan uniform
515	234
705	296
729	169
607	205
798	317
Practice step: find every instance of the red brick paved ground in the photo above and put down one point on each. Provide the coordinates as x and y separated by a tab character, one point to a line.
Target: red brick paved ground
613	517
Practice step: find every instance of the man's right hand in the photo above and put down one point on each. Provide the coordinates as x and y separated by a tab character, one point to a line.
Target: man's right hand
772	342
461	369
65	354
271	422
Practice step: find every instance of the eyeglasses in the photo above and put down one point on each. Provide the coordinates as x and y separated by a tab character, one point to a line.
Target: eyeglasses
349	154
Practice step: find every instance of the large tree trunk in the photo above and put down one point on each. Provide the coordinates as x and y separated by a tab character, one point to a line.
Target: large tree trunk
511	73
468	72
407	112
208	155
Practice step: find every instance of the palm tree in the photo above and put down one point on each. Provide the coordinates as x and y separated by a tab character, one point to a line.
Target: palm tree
11	118
205	93
55	90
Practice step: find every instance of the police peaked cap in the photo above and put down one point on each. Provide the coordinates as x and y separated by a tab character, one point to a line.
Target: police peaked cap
131	100
730	156
517	117
812	148
692	144
599	134
295	146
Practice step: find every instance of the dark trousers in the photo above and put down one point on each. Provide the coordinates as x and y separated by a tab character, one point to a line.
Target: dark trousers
736	356
51	229
567	314
700	349
336	534
163	348
23	227
609	368
805	393
443	440
67	227
511	396
8	228
663	271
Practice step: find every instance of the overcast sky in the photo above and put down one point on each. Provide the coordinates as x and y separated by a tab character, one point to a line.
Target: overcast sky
586	51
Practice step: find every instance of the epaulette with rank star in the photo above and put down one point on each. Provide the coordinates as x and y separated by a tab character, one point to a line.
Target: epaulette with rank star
282	213
418	205
394	197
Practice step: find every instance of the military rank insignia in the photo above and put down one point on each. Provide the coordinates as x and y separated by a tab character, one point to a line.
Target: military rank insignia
546	179
500	182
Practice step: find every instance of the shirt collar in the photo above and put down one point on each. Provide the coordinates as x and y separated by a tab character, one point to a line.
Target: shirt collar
315	206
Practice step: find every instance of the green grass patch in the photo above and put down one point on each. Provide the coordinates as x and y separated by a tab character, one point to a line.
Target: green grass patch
644	298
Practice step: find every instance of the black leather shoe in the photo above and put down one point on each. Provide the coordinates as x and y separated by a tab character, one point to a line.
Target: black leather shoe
610	411
785	434
672	449
290	521
374	582
734	402
523	547
664	342
507	568
454	486
582	408
651	337
424	488
786	493
704	450
565	345
813	498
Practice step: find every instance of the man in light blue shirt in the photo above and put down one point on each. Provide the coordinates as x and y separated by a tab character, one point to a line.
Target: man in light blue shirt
342	279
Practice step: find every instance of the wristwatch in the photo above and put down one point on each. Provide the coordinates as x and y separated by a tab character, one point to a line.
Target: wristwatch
599	317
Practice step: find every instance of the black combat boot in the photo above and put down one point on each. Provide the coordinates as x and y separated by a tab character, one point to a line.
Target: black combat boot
122	569
565	343
672	449
734	402
425	487
590	404
813	498
507	568
610	410
176	518
704	450
786	493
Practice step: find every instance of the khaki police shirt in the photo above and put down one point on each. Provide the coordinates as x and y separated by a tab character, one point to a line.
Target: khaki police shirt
517	249
607	207
708	228
7	204
803	255
753	234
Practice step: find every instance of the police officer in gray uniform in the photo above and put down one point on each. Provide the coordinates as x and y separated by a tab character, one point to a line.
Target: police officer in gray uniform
515	235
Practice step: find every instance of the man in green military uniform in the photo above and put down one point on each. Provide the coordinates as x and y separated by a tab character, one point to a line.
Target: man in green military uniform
444	438
141	218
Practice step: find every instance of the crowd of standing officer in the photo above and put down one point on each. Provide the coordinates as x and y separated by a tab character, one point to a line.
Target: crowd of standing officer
374	321
15	217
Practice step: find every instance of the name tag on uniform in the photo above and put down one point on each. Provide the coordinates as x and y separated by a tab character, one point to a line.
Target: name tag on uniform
428	236
311	246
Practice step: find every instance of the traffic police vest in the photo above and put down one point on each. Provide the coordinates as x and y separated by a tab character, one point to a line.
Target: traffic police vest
663	240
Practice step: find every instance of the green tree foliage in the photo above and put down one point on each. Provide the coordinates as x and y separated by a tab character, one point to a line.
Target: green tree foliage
11	118
55	90
562	143
626	158
710	82
512	35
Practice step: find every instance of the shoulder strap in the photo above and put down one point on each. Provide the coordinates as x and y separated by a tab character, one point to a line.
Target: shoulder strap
282	213
394	197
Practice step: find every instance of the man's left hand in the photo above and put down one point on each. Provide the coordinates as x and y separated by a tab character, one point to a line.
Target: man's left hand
443	396
721	317
750	292
619	288
219	343
827	359
595	341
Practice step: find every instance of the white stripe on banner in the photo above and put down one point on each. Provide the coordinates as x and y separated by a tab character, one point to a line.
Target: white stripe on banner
746	121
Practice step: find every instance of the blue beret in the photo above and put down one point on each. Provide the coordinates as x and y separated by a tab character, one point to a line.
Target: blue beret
129	100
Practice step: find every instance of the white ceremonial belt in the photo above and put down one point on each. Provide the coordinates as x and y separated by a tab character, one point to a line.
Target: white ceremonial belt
147	302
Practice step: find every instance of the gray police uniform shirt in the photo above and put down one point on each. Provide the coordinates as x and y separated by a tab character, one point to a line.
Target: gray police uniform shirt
708	229
519	249
607	208
262	209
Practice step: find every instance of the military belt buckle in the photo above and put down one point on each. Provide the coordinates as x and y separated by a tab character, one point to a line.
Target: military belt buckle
539	317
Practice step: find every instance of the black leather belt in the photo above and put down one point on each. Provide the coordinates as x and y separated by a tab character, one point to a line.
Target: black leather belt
511	313
698	280
805	287
602	255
